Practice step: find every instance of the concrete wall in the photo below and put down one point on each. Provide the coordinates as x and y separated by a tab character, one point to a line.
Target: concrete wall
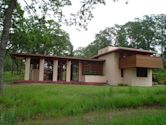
111	68
68	71
106	49
131	78
112	72
95	78
27	69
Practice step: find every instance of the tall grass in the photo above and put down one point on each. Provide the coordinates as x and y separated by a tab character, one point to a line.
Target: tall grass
10	77
24	102
124	117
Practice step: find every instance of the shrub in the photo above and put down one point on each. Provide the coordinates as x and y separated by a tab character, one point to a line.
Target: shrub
159	76
122	84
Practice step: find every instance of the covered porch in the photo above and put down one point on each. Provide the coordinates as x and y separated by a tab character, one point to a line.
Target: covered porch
58	69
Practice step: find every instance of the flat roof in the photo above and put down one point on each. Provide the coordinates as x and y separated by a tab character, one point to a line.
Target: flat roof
25	55
124	49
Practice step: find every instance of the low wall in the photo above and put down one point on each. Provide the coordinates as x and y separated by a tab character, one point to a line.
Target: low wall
95	78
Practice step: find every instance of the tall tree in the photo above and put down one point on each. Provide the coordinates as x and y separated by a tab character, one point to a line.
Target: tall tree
140	33
120	36
5	35
160	32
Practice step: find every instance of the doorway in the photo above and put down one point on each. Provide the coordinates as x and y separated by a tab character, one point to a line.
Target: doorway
48	69
74	71
62	70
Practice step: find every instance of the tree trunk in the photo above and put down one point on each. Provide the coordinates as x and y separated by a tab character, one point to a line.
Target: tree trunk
5	36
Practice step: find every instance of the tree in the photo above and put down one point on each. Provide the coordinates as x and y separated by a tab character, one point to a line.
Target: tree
145	33
160	32
5	35
148	32
40	36
120	36
8	6
80	52
140	33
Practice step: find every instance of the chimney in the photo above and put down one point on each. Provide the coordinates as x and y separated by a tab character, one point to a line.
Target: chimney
106	49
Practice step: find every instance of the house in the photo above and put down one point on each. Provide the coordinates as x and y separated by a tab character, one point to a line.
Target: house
112	65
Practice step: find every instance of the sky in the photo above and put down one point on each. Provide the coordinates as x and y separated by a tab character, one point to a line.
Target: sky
109	15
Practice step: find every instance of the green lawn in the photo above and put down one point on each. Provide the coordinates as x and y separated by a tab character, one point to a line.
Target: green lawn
74	104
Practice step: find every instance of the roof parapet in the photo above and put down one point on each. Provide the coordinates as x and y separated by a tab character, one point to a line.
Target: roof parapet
110	49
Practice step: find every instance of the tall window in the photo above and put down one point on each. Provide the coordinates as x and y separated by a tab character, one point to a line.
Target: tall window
122	72
142	72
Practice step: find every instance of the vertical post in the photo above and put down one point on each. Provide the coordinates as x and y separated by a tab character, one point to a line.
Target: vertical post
55	70
41	70
27	68
80	72
68	71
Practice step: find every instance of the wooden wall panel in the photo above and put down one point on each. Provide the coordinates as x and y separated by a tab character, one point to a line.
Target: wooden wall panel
148	61
127	62
141	61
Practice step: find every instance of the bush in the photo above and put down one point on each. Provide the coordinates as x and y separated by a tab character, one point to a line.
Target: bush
159	76
122	84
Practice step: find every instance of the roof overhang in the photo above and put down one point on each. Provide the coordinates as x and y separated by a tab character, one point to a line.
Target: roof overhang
127	50
38	56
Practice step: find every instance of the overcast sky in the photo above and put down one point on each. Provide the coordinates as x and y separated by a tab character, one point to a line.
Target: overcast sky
112	13
109	15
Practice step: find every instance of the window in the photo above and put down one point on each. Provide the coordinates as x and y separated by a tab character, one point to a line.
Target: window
122	72
142	72
92	68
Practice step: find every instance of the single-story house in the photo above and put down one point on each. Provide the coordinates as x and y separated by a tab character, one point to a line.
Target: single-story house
112	65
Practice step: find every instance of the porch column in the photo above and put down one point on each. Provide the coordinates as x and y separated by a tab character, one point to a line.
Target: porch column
27	68
80	72
68	71
41	70
55	70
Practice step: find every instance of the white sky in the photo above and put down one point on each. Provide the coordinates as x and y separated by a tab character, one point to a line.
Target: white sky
109	15
112	13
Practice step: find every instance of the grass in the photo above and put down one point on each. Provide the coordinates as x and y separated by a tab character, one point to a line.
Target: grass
10	78
115	117
23	103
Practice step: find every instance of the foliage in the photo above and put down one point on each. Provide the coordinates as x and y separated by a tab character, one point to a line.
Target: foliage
102	39
79	52
8	7
119	33
146	33
24	102
85	13
40	36
8	63
159	76
140	33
